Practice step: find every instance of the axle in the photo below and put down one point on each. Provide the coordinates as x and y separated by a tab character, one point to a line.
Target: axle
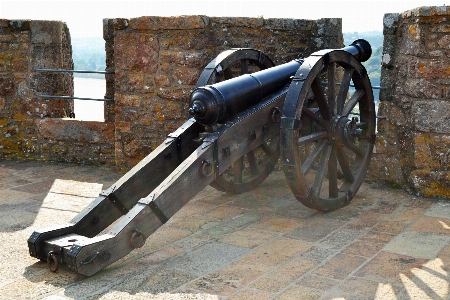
216	103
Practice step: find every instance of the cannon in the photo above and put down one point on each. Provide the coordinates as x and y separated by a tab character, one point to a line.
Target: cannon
317	112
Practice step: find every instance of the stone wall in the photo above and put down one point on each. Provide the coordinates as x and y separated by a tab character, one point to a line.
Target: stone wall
36	128
413	142
157	61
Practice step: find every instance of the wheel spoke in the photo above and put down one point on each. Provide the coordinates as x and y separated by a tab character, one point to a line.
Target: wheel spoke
238	166
345	166
252	162
315	117
332	173
332	88
352	102
321	171
312	138
355	149
321	100
244	66
343	90
315	153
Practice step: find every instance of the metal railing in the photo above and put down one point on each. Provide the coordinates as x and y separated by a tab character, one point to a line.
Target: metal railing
71	97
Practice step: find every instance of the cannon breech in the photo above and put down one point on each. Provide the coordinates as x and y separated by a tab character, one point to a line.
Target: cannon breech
242	122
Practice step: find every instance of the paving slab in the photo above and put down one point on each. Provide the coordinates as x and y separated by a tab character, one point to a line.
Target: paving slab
264	244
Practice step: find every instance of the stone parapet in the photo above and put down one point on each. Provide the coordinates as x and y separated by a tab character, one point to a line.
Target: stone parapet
157	61
27	45
413	141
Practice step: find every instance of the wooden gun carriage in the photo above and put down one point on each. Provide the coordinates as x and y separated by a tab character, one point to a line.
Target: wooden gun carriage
317	112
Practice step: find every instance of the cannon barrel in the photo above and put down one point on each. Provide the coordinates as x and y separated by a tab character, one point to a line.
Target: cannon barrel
216	103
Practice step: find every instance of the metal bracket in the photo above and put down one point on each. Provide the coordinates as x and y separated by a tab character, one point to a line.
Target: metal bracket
158	212
109	193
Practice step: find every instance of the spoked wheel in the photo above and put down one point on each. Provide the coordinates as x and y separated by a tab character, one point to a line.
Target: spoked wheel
254	167
328	130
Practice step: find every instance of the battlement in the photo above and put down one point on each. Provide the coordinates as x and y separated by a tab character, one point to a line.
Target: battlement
157	61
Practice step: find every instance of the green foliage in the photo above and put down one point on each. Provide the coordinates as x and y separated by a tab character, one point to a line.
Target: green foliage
89	54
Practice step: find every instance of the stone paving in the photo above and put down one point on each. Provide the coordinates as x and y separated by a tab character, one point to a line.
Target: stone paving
260	245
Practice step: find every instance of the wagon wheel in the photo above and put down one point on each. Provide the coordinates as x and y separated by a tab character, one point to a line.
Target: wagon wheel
328	130
251	169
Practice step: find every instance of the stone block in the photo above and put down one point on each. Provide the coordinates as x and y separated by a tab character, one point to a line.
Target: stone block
390	23
46	56
432	68
4	23
46	32
289	24
389	50
19	25
181	95
329	27
225	22
431	116
422	152
48	83
72	130
167	23
186	76
422	88
444	42
411	42
108	30
136	52
189	59
430	183
127	100
7	87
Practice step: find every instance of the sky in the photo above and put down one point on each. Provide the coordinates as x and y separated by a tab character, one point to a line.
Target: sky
84	18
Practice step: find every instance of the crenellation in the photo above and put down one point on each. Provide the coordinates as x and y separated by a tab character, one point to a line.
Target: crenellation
157	61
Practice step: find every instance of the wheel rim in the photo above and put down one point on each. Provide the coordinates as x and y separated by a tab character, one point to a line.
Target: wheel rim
326	160
254	167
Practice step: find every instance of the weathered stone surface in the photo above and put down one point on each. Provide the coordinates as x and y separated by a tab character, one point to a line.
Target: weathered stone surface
432	116
46	56
7	87
127	100
181	95
431	183
46	32
289	24
224	22
329	27
167	23
19	25
186	76
72	130
138	52
390	23
415	71
432	68
422	88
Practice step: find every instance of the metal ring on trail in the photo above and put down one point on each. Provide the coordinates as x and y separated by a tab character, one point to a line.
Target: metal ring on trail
52	261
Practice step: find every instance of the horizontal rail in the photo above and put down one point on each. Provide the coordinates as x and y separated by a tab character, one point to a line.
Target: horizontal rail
76	98
73	71
352	85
